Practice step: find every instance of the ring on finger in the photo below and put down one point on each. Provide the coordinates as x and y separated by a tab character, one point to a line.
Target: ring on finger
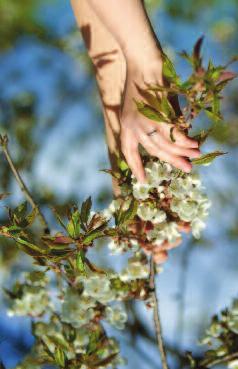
152	132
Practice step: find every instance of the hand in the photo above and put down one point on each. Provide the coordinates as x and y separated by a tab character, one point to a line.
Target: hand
136	129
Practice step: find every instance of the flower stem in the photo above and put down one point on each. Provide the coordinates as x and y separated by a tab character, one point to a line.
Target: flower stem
21	183
156	314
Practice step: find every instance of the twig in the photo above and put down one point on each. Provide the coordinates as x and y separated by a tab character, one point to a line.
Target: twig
220	360
158	326
179	330
22	185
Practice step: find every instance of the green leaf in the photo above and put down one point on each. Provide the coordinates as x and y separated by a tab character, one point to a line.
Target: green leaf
171	134
215	117
29	244
113	173
60	357
80	261
59	341
73	226
85	210
206	159
167	108
186	56
122	165
202	136
197	52
151	99
14	230
90	237
149	112
106	361
94	339
169	71
31	217
216	105
126	215
58	218
21	211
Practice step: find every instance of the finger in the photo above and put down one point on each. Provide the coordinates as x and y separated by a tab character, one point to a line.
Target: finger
186	228
177	161
180	137
134	161
160	257
173	148
152	149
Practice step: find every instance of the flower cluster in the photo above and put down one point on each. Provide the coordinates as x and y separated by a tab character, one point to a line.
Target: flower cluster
168	198
222	331
147	217
30	297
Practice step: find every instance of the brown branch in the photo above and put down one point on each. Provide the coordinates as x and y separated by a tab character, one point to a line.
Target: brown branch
220	360
22	185
158	326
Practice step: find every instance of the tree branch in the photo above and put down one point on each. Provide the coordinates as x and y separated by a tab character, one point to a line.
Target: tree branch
22	185
158	326
221	360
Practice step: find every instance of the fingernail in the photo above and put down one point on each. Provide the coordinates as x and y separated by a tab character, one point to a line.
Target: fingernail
196	154
187	168
195	144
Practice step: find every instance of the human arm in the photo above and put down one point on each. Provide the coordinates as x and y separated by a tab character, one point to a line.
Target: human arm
130	25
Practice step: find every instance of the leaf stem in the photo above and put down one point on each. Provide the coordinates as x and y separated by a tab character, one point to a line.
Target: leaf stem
156	314
21	183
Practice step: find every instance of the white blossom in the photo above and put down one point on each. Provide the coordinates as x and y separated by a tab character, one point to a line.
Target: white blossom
33	302
164	232
233	364
158	172
197	226
77	309
99	288
116	316
149	213
134	270
141	190
81	341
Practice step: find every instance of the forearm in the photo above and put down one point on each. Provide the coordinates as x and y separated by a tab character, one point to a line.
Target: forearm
127	20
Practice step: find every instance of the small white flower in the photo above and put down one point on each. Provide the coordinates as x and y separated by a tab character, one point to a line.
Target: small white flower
77	309
141	190
99	288
164	232
147	213
116	316
81	341
33	302
172	232
116	247
157	172
233	364
135	270
159	217
197	226
186	210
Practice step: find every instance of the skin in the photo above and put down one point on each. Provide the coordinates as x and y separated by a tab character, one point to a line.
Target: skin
123	66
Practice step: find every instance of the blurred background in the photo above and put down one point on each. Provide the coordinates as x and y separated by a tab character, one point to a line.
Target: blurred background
50	108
